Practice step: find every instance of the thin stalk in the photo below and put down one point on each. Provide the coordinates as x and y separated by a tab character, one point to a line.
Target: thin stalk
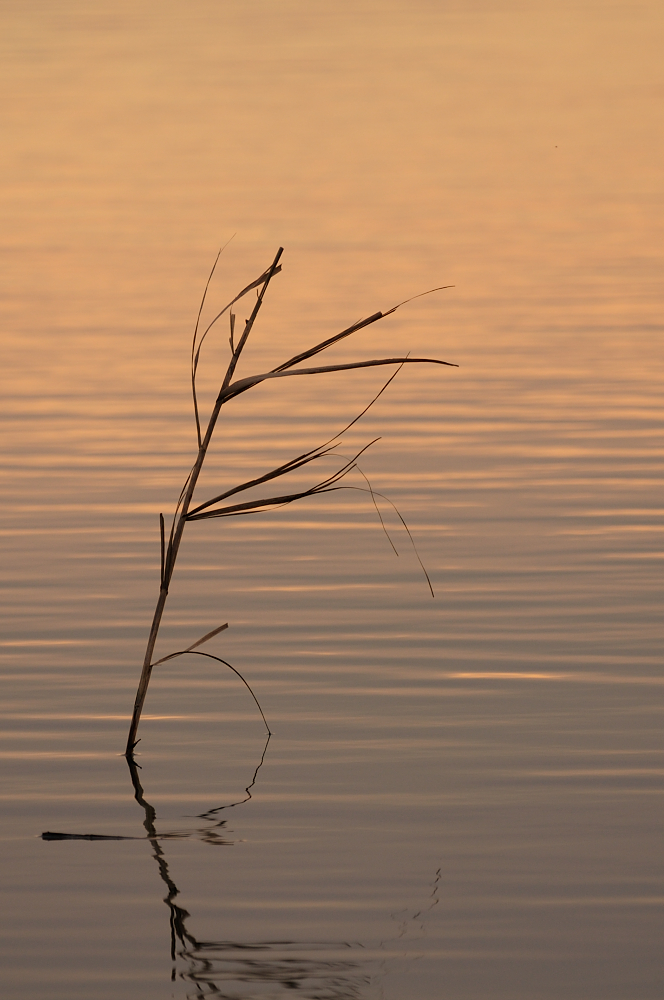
174	543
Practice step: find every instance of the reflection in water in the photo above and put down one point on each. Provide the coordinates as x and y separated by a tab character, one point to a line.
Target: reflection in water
218	969
268	969
242	970
211	813
412	929
410	922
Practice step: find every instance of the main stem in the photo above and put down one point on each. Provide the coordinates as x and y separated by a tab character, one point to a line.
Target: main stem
169	566
174	544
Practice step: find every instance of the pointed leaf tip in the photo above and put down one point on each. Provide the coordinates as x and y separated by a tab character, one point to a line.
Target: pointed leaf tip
210	635
190	649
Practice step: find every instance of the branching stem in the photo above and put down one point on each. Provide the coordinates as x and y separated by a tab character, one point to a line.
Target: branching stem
228	391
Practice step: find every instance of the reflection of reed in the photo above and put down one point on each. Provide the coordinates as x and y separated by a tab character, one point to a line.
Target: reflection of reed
245	970
220	970
178	915
415	922
267	969
412	929
211	813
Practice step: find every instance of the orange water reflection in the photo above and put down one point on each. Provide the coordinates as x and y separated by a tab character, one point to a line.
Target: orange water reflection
511	149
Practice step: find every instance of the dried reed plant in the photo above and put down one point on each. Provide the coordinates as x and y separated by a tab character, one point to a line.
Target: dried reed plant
215	507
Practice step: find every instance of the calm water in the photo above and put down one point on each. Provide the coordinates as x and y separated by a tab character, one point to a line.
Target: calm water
462	796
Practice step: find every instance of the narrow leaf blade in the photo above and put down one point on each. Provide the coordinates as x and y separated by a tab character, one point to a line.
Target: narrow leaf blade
189	649
210	635
235	388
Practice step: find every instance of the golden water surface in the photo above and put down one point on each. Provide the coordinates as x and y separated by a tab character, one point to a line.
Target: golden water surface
461	796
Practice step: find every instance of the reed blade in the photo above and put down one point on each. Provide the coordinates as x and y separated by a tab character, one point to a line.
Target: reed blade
190	649
283	470
300	460
194	652
396	510
208	635
242	385
163	547
266	278
193	347
360	325
197	343
255	506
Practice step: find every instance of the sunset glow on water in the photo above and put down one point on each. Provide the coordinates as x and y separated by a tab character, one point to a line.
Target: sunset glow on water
461	796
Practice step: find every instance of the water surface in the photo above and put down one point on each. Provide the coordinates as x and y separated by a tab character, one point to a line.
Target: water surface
461	796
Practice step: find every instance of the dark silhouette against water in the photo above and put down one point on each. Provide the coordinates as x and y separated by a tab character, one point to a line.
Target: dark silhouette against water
185	513
230	968
236	969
